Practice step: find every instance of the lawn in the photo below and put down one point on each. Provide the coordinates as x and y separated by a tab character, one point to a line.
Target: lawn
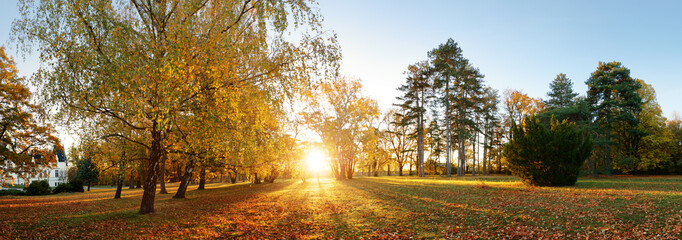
384	207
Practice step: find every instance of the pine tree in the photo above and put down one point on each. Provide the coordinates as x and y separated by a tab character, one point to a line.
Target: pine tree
416	93
561	94
614	101
87	171
461	86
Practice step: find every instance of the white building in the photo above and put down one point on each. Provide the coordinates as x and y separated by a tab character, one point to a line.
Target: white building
53	174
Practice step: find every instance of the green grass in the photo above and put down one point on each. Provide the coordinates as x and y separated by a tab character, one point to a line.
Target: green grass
384	207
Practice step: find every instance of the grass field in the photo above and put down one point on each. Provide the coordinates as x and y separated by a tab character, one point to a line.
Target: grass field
385	207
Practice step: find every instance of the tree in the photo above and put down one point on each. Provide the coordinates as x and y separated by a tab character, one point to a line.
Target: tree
435	142
674	125
447	61
26	141
415	96
518	105
87	171
467	97
149	64
461	85
655	149
614	101
399	143
545	156
491	122
338	118
561	92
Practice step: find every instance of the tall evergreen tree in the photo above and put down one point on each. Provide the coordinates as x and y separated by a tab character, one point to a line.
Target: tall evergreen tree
561	94
490	121
416	93
460	84
87	171
447	61
614	101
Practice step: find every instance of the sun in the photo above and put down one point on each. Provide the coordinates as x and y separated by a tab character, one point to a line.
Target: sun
316	160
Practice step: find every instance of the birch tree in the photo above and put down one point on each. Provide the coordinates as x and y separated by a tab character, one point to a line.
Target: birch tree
145	63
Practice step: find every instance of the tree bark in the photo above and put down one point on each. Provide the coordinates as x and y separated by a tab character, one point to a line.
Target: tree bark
202	179
138	180
448	158
420	139
184	182
147	205
162	175
607	160
119	183
485	149
473	153
256	179
132	179
88	185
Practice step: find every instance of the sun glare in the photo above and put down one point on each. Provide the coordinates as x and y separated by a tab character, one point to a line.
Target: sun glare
316	160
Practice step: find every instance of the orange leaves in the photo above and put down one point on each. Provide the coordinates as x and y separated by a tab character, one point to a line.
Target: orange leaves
375	208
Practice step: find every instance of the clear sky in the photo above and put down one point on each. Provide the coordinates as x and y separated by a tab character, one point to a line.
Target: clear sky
517	44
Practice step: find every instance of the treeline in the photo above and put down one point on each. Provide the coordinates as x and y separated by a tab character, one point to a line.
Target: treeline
446	112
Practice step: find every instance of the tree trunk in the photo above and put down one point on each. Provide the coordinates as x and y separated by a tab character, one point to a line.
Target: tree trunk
256	180
607	160
420	139
132	179
88	185
400	169
184	182
147	205
138	180
202	179
499	163
460	156
119	183
349	171
485	150
448	158
162	175
591	167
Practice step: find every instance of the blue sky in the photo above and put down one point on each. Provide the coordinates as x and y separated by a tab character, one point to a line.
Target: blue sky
517	44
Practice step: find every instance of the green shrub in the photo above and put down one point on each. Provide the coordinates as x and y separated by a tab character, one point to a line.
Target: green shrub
12	192
543	156
62	187
38	188
76	185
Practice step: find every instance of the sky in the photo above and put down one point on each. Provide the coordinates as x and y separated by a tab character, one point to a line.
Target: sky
517	44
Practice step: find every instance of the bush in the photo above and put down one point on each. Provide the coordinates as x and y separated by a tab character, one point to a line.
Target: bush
65	187
542	156
76	185
12	192
38	188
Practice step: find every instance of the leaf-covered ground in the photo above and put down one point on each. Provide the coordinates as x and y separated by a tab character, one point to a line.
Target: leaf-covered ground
386	207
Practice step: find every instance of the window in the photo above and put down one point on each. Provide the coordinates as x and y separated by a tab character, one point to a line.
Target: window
56	173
